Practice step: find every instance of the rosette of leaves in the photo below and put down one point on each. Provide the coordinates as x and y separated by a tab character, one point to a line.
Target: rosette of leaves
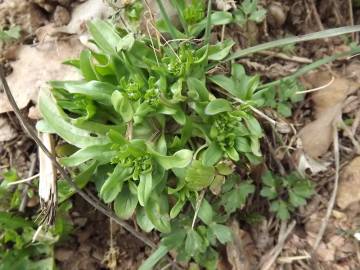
144	126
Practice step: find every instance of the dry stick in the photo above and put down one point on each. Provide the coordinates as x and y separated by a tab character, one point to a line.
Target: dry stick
317	88
32	133
26	187
278	248
283	56
333	195
316	15
351	17
25	180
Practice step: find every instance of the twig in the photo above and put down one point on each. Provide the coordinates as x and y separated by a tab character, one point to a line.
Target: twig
26	187
333	195
351	18
25	180
32	133
283	56
197	208
272	152
316	15
275	252
317	88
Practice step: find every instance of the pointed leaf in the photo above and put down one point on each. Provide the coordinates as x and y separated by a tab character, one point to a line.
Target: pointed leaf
218	105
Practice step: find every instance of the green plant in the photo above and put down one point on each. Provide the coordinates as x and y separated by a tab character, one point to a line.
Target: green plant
249	10
286	193
281	97
10	34
146	125
161	137
133	10
17	249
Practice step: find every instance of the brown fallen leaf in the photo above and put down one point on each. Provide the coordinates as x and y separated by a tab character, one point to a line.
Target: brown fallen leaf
38	65
7	132
349	185
317	136
240	252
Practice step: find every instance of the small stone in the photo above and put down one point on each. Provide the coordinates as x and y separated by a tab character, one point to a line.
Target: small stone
63	254
276	14
61	16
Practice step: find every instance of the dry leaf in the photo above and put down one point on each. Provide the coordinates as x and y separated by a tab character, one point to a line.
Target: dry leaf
7	132
240	252
36	66
317	136
349	185
307	163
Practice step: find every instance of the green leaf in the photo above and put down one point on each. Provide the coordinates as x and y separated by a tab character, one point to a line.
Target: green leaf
65	191
126	43
56	120
224	82
281	209
143	221
168	24
268	179
86	66
174	239
303	188
125	203
157	211
253	126
193	242
144	188
199	87
248	6
236	198
218	105
222	232
296	200
154	258
232	154
255	146
221	17
175	210
11	221
122	105
212	154
180	159
269	193
221	50
113	184
292	40
284	109
258	15
101	153
199	176
105	35
206	212
99	91
243	145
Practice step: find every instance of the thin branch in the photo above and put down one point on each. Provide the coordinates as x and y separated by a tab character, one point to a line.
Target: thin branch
275	252
24	193
25	180
32	133
317	88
